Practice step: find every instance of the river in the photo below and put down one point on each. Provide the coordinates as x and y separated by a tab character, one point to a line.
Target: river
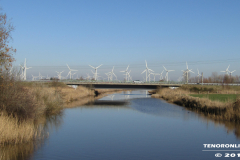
132	125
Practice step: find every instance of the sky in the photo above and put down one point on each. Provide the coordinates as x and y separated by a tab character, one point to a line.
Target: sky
53	33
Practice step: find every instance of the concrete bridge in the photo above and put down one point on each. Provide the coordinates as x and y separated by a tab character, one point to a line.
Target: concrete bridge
110	85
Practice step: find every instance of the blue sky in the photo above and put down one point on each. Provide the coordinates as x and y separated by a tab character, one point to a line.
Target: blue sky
51	33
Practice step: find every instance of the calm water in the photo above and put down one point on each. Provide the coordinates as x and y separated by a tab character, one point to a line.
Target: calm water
145	128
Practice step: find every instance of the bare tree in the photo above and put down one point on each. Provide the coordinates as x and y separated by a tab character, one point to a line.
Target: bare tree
6	52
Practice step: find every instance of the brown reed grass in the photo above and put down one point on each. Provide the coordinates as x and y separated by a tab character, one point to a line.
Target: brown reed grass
13	132
218	110
70	94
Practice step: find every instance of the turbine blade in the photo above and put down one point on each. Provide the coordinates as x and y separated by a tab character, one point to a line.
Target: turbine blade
228	67
143	71
165	68
98	66
68	67
127	68
92	66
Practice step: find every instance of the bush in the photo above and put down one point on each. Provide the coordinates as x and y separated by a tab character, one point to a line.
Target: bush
15	99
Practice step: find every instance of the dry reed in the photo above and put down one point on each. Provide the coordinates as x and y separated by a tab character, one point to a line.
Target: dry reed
218	110
13	132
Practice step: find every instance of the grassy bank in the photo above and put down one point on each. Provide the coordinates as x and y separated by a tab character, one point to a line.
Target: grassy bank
22	104
218	110
218	97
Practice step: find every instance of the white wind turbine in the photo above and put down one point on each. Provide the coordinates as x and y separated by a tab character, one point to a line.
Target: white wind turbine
161	77
47	77
108	75
95	74
126	71
88	77
33	77
199	75
231	73
166	77
111	76
226	71
59	74
154	75
147	70
128	76
24	70
40	76
70	72
187	71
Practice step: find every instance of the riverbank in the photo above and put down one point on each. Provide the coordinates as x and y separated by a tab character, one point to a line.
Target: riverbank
226	111
22	104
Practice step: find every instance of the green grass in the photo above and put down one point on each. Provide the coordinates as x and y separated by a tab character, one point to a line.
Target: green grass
218	97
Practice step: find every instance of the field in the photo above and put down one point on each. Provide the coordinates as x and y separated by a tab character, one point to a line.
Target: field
218	97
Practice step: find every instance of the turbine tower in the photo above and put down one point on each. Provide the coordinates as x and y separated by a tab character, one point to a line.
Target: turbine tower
70	72
128	76
187	71
59	75
111	74
108	75
167	73
40	76
161	77
147	70
199	75
95	74
88	77
126	71
24	70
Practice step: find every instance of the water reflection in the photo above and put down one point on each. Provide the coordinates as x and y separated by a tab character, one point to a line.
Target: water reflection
94	127
25	151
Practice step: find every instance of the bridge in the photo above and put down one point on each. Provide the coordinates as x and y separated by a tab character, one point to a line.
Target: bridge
130	85
112	85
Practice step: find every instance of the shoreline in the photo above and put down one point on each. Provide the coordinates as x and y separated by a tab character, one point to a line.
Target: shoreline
20	121
221	111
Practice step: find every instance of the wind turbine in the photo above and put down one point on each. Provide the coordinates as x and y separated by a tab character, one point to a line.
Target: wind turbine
161	77
33	77
231	73
226	71
88	77
186	71
24	70
95	74
108	75
128	76
167	73
126	71
59	75
70	72
199	75
112	74
40	76
47	77
154	75
147	70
